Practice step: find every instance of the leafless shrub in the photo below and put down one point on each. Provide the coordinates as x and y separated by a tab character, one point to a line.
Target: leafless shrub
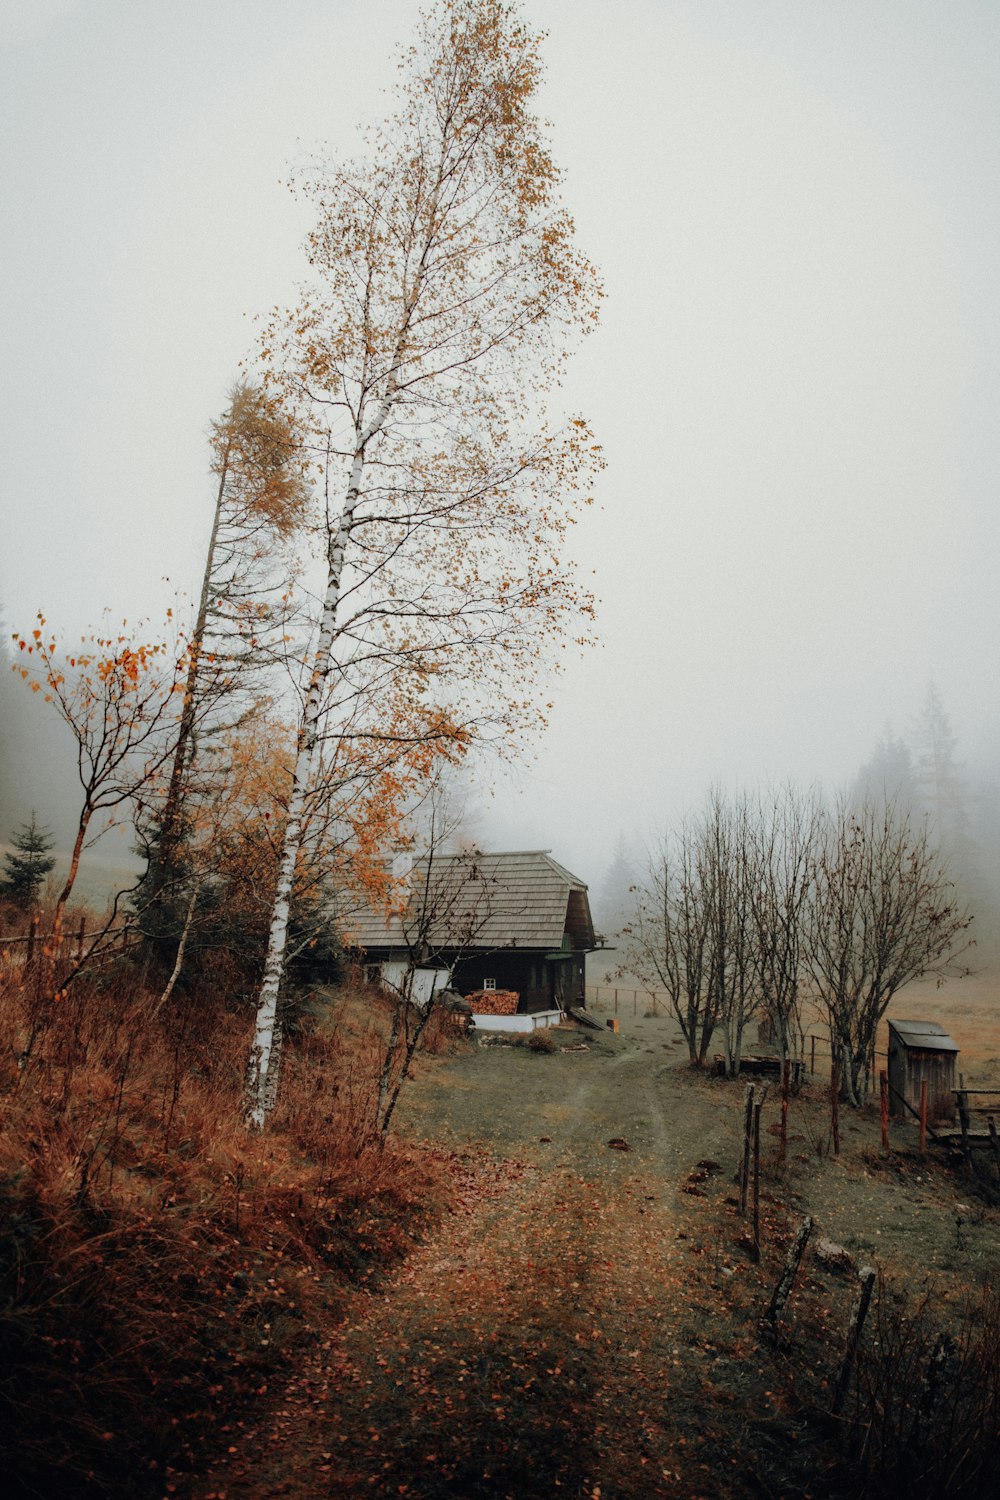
541	1041
718	920
925	1418
883	912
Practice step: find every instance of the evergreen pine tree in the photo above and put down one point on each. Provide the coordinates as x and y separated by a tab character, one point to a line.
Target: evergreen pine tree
943	796
937	773
614	900
28	865
888	774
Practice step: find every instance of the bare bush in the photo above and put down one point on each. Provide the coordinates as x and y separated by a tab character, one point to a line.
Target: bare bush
758	897
882	913
925	1419
718	921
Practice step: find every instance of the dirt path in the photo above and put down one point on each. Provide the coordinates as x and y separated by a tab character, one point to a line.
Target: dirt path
583	1323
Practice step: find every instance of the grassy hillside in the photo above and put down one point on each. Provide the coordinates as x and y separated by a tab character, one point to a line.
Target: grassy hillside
158	1264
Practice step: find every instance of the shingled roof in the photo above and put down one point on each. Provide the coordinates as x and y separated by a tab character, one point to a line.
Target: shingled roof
521	899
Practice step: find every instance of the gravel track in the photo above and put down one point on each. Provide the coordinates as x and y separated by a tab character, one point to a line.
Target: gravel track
584	1321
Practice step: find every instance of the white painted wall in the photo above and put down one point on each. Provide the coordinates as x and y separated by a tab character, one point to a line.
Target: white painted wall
426	982
537	1021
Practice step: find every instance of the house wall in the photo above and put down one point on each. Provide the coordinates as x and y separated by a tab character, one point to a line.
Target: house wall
424	984
527	973
541	983
908	1066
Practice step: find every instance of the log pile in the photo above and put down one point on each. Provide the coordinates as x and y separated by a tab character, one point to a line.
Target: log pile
754	1067
493	1002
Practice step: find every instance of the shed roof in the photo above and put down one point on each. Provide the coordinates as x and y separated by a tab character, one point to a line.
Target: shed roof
517	899
928	1036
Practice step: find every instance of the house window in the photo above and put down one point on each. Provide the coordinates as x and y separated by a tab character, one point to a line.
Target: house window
489	984
373	973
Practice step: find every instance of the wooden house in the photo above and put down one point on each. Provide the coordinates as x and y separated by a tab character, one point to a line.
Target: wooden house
921	1051
512	921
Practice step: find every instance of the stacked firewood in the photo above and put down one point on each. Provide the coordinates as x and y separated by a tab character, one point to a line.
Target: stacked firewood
494	1002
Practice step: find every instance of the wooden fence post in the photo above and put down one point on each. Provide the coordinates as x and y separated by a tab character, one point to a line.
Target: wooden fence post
866	1276
756	1178
923	1117
963	1117
883	1089
745	1158
786	1078
991	1126
32	938
783	1289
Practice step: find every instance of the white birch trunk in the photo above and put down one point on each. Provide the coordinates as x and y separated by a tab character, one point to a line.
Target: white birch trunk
259	1097
181	950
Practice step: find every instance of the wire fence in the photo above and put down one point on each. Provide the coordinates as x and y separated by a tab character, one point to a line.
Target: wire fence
813	1055
813	1048
622	1000
75	944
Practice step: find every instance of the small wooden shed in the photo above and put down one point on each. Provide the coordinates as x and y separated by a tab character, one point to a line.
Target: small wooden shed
918	1051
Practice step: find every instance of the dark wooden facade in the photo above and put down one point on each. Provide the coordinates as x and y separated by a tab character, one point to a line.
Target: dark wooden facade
543	981
922	1051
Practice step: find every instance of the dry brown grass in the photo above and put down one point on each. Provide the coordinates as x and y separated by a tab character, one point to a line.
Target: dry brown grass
158	1264
967	1008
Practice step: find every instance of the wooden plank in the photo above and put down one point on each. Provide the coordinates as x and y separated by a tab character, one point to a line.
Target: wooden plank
745	1156
866	1284
783	1289
963	1116
758	1104
883	1088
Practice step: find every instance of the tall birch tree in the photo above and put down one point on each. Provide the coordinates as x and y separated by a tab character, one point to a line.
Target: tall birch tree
445	286
260	499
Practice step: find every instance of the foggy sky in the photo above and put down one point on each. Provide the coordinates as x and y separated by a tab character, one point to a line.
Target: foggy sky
795	208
